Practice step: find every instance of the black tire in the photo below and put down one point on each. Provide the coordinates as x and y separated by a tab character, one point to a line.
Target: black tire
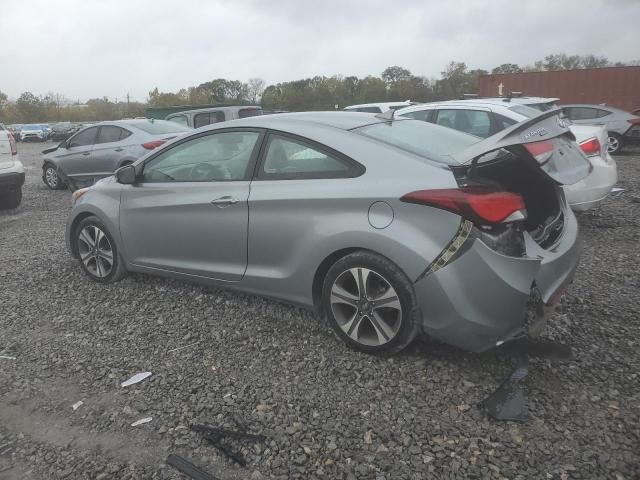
50	177
90	266
11	200
614	143
405	323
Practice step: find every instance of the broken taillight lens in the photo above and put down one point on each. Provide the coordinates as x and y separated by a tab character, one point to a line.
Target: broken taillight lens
590	147
153	144
541	151
477	204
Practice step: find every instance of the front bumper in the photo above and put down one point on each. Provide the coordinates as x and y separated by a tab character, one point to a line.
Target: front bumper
481	299
594	188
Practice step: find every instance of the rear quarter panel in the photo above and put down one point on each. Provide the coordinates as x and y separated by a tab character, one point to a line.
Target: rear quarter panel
295	224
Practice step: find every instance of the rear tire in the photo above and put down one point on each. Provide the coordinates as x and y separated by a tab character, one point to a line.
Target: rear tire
614	143
50	177
97	252
370	303
11	200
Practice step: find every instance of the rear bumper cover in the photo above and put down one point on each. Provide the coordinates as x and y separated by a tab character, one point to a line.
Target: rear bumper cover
11	181
590	191
481	298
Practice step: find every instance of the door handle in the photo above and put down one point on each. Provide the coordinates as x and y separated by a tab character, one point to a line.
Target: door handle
86	153
118	149
224	201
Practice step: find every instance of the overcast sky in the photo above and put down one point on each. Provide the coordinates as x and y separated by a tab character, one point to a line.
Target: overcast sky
94	48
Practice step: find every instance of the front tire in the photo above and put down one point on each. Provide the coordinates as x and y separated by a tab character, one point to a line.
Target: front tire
614	143
97	252
50	178
370	303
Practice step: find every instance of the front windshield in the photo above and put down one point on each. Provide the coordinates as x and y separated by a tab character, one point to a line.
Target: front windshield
422	138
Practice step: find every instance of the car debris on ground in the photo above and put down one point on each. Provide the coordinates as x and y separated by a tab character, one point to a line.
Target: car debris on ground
138	377
188	468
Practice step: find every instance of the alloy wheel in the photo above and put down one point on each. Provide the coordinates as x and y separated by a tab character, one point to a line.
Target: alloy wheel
95	251
613	144
51	177
366	307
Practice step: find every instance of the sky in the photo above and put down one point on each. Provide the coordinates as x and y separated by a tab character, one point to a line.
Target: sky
93	48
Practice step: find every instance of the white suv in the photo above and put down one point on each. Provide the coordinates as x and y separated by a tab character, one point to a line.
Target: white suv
11	171
377	107
484	117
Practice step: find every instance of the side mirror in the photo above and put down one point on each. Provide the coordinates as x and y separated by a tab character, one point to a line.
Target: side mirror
126	175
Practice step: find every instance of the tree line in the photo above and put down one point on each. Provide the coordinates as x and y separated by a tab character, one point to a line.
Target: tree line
395	83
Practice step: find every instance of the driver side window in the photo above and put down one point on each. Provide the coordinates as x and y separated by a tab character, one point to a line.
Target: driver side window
84	138
217	157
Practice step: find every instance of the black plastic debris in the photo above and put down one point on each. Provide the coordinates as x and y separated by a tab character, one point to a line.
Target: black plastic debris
508	402
188	468
219	438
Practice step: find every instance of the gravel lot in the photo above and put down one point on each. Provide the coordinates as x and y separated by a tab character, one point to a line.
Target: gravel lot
328	412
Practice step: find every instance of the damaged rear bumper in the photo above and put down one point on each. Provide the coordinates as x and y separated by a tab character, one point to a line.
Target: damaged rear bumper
482	298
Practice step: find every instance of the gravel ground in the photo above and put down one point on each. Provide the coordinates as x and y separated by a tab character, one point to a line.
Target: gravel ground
328	412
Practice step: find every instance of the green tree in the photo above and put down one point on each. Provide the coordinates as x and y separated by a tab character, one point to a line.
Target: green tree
395	74
507	68
255	87
29	107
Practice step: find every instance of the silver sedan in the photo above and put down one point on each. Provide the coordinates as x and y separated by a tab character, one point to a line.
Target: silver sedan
387	227
97	151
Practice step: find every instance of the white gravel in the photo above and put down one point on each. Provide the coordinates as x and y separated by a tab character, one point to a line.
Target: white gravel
328	412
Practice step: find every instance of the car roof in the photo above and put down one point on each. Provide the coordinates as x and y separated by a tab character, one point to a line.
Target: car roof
340	120
217	109
379	104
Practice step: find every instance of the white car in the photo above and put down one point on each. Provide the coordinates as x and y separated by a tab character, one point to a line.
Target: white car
378	107
36	133
11	171
484	117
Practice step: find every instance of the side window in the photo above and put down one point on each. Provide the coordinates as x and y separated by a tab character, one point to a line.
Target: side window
180	120
289	158
582	113
201	119
503	122
475	122
422	115
220	156
109	134
84	138
602	113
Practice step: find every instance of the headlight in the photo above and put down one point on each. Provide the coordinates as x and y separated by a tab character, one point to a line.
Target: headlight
75	196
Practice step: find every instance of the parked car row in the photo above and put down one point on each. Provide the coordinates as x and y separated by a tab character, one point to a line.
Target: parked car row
484	117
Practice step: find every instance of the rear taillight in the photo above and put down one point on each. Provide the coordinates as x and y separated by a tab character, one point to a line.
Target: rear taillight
476	204
13	144
542	151
590	147
153	144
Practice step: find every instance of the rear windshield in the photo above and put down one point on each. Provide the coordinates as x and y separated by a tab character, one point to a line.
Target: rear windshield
525	110
249	112
542	107
160	127
425	139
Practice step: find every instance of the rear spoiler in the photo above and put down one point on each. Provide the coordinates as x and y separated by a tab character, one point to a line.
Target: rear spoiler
547	125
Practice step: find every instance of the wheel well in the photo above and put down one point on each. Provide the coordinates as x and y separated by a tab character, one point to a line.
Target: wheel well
321	272
74	225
